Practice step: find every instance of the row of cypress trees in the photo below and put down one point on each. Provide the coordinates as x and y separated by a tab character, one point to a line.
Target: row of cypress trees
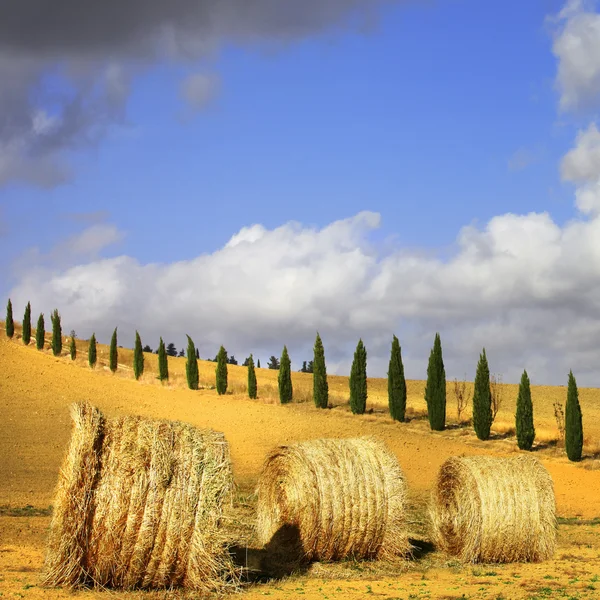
435	389
435	396
40	333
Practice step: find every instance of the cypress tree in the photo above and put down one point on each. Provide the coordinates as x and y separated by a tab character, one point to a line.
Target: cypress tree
320	385
138	357
252	392
284	378
482	399
435	390
524	416
114	356
191	366
27	324
92	351
358	380
396	383
73	348
258	364
40	333
163	365
573	423
56	333
10	324
221	371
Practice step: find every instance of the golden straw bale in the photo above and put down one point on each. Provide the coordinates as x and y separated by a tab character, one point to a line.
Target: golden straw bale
490	509
339	497
138	505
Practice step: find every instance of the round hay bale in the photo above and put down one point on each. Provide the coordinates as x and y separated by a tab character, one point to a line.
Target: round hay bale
336	497
138	505
490	509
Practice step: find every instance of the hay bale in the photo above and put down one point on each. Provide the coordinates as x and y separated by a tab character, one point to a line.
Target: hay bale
138	505
489	509
341	497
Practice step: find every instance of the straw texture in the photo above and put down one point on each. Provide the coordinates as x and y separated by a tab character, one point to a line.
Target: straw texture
138	505
343	497
489	509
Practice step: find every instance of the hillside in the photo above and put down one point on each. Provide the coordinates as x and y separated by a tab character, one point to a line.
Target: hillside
37	388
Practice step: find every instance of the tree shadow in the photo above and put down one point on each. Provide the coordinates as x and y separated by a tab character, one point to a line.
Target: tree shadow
281	556
544	445
495	435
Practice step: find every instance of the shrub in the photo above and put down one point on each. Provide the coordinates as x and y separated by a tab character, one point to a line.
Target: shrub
496	394
358	380
435	390
396	383
462	397
320	385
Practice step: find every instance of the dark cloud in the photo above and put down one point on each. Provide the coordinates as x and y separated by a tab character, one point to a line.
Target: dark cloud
91	49
98	30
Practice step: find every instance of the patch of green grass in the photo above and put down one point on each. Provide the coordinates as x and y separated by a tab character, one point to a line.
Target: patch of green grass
24	511
577	521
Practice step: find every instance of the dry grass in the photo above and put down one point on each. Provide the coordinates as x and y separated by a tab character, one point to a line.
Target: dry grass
544	397
138	505
488	509
333	498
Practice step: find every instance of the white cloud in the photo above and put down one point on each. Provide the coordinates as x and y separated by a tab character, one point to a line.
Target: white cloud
577	48
581	165
523	287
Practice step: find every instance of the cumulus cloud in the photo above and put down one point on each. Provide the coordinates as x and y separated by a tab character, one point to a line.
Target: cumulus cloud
577	48
581	165
66	67
523	287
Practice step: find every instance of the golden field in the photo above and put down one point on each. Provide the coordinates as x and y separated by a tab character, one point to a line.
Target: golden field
36	390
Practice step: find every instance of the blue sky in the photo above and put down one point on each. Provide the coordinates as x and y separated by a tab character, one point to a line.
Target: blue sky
437	116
